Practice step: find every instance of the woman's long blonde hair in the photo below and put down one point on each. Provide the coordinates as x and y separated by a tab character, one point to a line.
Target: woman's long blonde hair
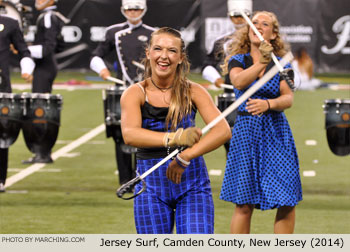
181	100
241	43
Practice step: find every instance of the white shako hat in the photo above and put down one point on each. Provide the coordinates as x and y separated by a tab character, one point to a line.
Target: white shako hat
134	5
233	7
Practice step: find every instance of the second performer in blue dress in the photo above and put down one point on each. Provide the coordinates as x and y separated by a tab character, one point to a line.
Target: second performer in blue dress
262	169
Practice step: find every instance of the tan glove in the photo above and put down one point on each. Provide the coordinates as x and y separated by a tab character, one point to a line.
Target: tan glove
265	50
182	137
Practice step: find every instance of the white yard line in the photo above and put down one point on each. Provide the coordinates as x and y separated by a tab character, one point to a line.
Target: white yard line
66	87
59	153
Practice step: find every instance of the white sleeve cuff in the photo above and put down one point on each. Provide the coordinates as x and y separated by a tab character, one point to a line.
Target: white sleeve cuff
97	64
211	74
36	51
27	65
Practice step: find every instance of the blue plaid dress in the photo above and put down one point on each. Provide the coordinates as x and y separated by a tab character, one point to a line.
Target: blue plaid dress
188	205
262	165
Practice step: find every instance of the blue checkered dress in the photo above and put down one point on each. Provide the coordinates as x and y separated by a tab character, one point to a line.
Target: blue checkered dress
262	165
189	204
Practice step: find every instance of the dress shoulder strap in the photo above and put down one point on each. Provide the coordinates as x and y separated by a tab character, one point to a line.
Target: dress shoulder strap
143	90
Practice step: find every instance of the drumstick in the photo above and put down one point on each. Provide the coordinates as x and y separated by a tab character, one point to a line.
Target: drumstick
274	58
110	78
139	65
287	58
228	86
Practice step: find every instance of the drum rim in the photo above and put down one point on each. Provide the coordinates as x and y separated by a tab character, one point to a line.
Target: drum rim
115	88
11	95
337	100
46	96
225	95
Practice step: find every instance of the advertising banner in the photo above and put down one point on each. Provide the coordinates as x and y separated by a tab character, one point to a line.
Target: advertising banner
334	36
322	27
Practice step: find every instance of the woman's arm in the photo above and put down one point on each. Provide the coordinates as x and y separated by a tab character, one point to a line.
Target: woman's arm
217	135
285	100
242	78
131	120
133	133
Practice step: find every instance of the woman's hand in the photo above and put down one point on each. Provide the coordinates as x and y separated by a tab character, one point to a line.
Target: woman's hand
265	49
174	172
182	137
257	106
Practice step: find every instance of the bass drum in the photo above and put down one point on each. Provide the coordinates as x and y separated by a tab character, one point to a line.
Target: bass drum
112	110
337	113
42	121
10	9
12	110
224	100
112	114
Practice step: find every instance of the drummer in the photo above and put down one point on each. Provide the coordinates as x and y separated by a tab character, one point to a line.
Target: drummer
128	40
211	67
47	42
10	33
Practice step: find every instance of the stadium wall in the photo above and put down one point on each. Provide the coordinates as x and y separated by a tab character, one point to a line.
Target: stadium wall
321	26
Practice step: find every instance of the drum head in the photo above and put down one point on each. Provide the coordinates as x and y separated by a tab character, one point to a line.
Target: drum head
44	96
116	89
227	96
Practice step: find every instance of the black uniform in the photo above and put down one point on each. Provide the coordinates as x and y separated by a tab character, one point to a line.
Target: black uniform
217	55
129	42
215	58
10	33
47	39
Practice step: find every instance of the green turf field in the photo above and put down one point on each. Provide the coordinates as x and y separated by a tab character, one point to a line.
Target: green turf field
76	194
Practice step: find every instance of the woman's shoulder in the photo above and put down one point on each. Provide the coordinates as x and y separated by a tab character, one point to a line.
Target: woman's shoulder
198	92
196	87
238	57
136	90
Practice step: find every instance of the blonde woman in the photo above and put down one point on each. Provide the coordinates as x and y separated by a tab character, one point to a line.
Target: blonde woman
262	169
158	115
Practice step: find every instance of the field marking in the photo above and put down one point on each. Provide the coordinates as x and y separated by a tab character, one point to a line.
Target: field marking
213	172
71	155
309	173
311	142
61	152
42	170
95	86
17	192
